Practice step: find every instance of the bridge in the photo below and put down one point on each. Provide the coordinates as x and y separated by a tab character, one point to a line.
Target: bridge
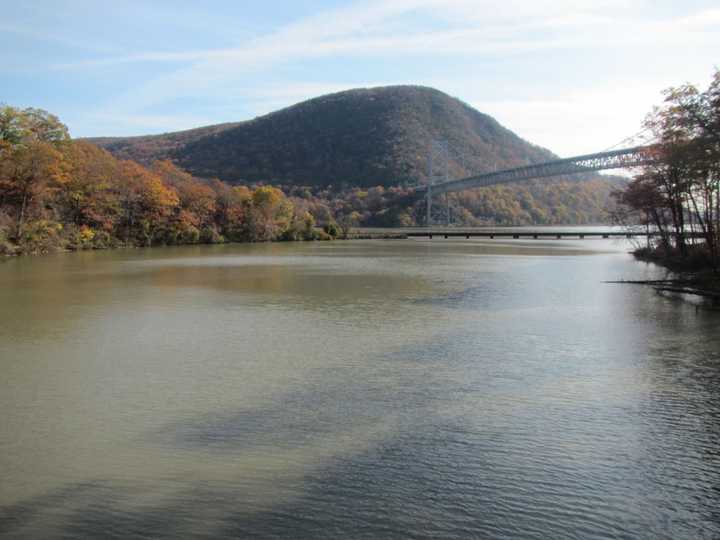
537	234
613	159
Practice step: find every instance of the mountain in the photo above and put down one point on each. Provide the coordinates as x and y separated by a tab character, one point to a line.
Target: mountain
361	137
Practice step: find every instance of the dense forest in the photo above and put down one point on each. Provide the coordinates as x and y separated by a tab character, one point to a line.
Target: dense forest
59	193
56	193
543	202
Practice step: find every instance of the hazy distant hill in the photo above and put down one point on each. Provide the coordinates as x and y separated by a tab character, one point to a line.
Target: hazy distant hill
363	137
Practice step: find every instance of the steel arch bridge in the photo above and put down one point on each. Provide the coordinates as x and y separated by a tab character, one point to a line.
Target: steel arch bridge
613	159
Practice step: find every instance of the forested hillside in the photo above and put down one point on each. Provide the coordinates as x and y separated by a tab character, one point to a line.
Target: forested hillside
59	193
56	193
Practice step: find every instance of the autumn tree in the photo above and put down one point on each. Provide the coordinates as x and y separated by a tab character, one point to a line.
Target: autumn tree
32	165
146	202
88	197
195	215
232	208
679	191
270	214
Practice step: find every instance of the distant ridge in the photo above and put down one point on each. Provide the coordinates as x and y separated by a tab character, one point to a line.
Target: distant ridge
360	137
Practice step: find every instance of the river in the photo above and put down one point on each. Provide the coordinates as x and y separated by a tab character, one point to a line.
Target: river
361	389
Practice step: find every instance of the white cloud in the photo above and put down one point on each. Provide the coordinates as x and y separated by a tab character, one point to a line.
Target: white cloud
369	29
571	121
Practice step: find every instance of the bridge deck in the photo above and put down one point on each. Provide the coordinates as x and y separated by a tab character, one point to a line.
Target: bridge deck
529	234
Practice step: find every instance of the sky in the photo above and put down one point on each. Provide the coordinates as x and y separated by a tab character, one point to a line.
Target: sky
573	76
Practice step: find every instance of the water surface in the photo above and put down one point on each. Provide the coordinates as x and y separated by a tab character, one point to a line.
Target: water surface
363	389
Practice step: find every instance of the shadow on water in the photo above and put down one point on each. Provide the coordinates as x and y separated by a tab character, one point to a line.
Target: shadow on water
399	489
546	467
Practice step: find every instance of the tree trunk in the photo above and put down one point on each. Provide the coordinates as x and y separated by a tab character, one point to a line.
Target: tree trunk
21	218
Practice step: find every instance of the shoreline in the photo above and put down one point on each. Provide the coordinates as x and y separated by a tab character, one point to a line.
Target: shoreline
689	275
352	236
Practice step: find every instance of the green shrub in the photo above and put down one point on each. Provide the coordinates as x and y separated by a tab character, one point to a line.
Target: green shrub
332	229
210	235
190	235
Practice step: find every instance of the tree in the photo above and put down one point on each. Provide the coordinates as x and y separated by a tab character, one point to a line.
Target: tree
347	222
271	214
31	160
232	205
679	192
194	219
88	197
146	202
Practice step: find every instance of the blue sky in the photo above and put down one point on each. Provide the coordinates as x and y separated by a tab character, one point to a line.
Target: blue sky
573	76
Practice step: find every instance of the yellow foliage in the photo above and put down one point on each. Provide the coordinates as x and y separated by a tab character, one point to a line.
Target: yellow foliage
267	197
86	234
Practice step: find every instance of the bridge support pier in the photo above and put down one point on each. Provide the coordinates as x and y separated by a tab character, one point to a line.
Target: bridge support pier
428	202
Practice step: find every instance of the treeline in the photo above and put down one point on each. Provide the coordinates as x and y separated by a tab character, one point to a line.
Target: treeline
56	193
678	195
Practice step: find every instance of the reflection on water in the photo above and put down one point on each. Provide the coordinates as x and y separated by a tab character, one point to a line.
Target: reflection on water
420	389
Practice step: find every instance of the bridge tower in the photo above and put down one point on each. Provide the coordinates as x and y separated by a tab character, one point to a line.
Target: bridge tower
438	171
